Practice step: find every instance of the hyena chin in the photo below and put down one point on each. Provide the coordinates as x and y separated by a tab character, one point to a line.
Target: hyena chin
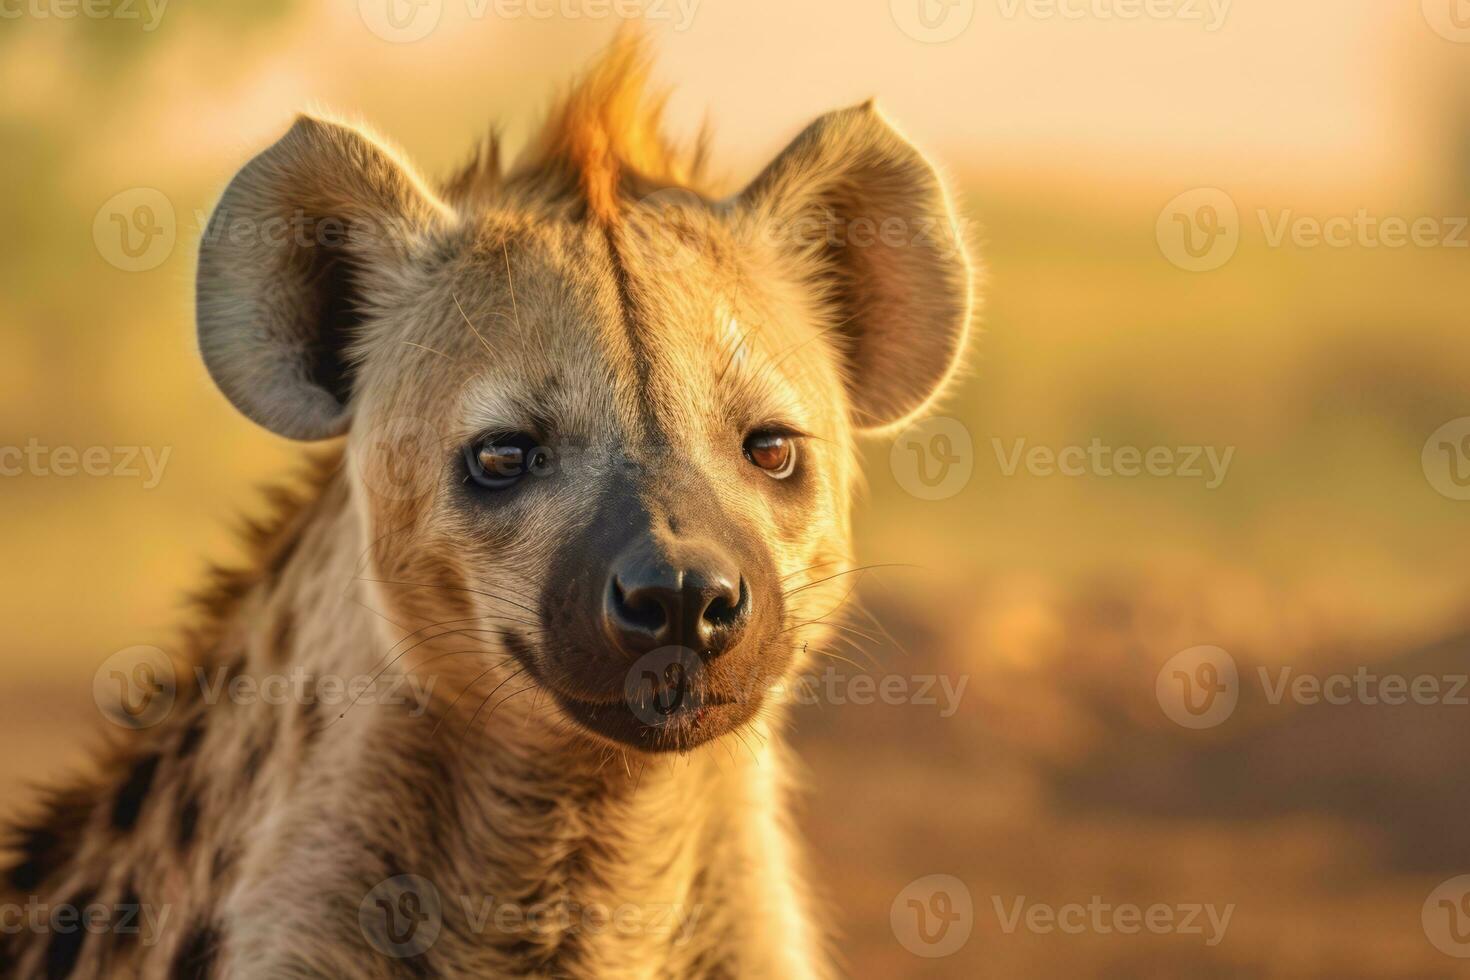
586	511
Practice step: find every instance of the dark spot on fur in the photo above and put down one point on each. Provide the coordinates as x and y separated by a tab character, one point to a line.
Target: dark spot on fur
48	844
259	751
29	873
253	762
190	739
134	792
188	822
280	556
195	959
416	966
65	946
223	861
130	914
281	635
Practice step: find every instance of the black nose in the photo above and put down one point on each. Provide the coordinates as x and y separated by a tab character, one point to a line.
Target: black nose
694	596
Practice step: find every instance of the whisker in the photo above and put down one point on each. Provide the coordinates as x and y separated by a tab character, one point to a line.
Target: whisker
820	564
379	673
850	571
828	653
477	333
510	281
448	588
450	710
431	350
486	701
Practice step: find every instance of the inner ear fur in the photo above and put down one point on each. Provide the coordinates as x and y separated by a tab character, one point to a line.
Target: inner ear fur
870	218
287	267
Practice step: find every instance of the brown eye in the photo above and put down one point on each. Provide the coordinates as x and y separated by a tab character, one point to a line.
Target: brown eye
497	462
773	452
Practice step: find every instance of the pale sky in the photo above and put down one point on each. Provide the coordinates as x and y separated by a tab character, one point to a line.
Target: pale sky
1310	93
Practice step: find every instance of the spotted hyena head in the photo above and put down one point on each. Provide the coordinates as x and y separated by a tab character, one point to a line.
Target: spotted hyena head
599	424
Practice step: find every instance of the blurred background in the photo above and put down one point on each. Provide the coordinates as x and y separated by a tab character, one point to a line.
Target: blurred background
1145	181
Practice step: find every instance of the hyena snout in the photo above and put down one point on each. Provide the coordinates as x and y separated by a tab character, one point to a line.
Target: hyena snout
691	594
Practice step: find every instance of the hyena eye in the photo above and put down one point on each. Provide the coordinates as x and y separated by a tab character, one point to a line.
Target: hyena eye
497	462
773	452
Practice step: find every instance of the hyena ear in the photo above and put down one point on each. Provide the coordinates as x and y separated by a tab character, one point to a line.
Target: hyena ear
290	260
858	202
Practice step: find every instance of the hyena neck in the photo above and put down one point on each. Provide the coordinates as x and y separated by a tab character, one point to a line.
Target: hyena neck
495	801
253	806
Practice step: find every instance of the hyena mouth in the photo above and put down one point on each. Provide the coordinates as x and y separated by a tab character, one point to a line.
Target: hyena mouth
669	724
671	701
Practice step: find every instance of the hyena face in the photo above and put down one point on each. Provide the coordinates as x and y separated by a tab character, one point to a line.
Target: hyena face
598	423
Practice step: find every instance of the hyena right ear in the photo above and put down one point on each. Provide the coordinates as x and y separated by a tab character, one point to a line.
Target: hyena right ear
288	265
869	216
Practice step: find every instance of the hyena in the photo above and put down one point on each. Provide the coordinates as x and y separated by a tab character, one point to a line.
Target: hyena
590	437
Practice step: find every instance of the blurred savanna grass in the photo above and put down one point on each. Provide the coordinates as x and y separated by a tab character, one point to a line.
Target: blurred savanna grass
1324	369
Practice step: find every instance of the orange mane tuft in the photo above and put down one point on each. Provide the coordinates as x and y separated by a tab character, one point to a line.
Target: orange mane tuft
607	133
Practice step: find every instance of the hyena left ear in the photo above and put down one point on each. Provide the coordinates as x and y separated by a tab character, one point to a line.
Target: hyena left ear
297	252
855	200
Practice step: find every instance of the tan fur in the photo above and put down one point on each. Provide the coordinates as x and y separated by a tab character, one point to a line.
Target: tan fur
647	332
